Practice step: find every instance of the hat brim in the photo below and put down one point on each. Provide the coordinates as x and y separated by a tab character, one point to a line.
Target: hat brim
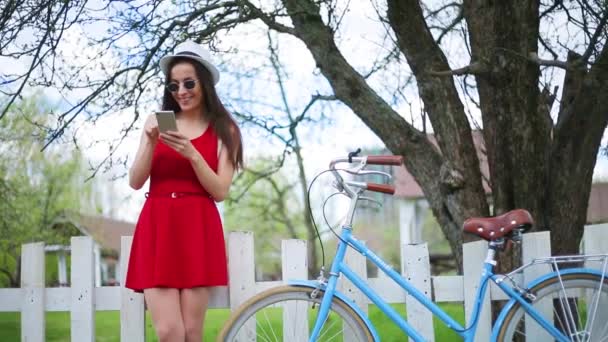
166	61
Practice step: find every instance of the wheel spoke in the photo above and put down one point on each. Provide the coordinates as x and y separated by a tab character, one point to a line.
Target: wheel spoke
326	328
270	325
338	332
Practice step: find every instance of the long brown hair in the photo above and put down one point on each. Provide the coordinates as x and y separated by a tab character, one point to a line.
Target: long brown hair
223	123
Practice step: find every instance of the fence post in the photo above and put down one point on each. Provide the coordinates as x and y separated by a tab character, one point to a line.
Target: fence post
294	266
132	311
241	272
473	255
82	312
32	285
416	267
594	240
536	245
357	263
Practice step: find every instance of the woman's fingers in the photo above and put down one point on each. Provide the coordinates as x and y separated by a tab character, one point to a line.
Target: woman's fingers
178	142
152	132
176	135
174	145
174	142
172	138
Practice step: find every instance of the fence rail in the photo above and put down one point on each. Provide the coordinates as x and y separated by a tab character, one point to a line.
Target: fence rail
82	298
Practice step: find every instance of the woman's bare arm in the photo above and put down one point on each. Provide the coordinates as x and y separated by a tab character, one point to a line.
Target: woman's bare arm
140	169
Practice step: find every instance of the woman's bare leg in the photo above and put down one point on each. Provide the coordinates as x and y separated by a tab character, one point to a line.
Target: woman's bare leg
194	303
164	306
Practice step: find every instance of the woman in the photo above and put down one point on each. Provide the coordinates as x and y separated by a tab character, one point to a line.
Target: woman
178	248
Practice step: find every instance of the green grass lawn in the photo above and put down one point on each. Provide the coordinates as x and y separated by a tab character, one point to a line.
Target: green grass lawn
107	327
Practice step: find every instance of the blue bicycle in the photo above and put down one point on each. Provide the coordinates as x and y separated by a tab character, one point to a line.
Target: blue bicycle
567	304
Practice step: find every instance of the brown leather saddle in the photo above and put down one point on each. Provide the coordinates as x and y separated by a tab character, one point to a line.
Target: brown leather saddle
492	228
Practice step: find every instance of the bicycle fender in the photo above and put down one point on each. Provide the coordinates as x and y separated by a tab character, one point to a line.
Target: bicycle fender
512	302
342	297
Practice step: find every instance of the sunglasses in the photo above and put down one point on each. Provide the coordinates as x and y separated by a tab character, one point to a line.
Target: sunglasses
174	86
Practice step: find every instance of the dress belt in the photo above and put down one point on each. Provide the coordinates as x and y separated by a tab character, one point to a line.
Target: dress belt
177	194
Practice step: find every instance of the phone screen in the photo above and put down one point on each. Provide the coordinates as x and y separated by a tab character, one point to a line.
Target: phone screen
166	121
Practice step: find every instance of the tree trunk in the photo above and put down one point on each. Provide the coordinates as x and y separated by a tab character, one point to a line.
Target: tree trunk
577	136
516	133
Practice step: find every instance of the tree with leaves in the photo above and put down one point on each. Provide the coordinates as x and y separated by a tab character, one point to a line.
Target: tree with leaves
530	75
37	190
270	208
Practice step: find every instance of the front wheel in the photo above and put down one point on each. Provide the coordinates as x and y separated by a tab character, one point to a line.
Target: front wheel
576	304
288	313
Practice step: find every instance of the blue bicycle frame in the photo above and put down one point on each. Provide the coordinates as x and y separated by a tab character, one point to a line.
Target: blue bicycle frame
339	267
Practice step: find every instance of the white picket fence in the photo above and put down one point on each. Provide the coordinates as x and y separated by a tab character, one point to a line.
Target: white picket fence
82	299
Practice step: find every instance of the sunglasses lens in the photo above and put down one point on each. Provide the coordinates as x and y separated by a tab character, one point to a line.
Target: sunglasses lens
190	84
173	87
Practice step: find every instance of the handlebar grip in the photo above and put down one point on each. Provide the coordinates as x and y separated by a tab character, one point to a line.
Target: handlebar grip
385	160
385	188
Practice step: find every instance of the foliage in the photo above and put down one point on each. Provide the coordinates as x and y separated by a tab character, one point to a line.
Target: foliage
269	208
40	188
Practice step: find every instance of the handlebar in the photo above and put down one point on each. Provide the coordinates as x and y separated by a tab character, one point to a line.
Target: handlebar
385	160
361	162
384	188
371	160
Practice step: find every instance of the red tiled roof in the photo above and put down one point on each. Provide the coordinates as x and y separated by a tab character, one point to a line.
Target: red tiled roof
105	231
406	186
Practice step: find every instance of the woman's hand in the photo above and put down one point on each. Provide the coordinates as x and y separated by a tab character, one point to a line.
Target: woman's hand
180	144
151	129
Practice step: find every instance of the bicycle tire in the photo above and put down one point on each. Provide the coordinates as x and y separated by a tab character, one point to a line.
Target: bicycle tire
519	326
266	304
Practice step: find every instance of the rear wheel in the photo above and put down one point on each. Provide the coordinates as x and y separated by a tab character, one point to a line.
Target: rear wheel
288	313
576	304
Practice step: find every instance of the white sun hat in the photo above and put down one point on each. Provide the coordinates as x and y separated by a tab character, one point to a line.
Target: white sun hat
194	51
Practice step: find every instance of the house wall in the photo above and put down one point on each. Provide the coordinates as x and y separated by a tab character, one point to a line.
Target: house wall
411	219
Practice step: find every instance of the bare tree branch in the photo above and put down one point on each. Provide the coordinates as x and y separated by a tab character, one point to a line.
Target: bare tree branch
475	68
599	31
37	58
447	29
533	57
269	20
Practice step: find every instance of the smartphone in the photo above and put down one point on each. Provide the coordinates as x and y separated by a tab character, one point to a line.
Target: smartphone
166	120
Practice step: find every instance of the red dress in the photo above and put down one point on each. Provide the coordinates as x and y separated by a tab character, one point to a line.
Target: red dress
179	240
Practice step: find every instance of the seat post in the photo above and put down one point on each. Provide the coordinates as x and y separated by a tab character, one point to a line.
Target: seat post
494	246
490	256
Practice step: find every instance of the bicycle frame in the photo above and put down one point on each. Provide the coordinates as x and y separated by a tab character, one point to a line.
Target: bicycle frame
339	267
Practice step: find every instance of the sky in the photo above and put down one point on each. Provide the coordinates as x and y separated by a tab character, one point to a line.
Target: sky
344	133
